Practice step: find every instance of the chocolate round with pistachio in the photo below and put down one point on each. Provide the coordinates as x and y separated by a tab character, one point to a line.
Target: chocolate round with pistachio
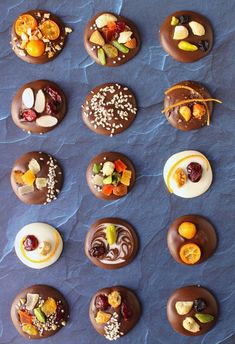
111	243
188	105
38	36
36	178
186	36
111	40
39	312
191	239
192	310
114	311
109	109
38	106
110	175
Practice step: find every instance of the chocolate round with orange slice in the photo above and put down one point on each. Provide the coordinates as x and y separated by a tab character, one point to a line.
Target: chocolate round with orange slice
109	109
39	312
38	106
111	40
111	243
36	178
38	36
114	311
187	36
191	239
110	175
192	310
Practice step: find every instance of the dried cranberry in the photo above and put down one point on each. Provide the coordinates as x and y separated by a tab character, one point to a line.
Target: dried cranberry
120	26
126	311
30	243
29	115
101	302
203	45
59	314
52	107
97	251
184	19
200	305
194	170
54	94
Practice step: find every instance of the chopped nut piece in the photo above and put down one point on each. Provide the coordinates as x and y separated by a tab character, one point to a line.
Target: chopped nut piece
46	15
199	110
58	47
190	325
183	307
44	248
180	177
68	30
197	28
180	32
32	300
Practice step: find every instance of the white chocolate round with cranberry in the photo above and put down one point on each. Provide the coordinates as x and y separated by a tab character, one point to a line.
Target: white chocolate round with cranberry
182	160
45	234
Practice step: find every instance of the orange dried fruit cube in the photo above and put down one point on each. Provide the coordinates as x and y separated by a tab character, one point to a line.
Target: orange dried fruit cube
131	44
49	307
120	190
50	30
119	166
199	110
111	25
25	317
25	22
28	178
102	317
18	177
126	177
190	253
107	189
187	230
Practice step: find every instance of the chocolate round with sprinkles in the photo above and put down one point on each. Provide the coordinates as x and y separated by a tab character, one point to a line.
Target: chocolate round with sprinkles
39	312
114	311
36	178
111	40
38	36
45	106
109	109
110	176
187	36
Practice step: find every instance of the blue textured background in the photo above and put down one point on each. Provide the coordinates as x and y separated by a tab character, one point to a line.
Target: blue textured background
149	142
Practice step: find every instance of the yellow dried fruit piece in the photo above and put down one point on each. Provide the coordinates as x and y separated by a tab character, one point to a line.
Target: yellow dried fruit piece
28	178
97	38
114	299
174	21
102	317
110	51
49	307
31	330
185	112
180	177
186	46
187	230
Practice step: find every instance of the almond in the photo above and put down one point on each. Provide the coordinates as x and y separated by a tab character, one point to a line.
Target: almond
124	37
104	19
46	121
197	28
180	32
97	38
28	98
40	102
131	44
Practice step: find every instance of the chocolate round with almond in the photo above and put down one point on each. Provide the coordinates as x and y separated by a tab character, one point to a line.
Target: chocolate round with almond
38	106
111	40
110	175
111	243
192	310
191	229
38	36
36	178
109	109
39	312
114	311
187	36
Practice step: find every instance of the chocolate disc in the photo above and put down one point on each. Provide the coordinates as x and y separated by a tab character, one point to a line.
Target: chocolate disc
205	237
114	183
199	112
39	312
42	27
45	106
186	36
109	109
203	303
111	40
36	178
111	256
113	316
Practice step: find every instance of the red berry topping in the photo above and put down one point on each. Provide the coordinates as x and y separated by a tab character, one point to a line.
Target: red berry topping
101	302
30	243
194	170
59	314
97	251
126	311
53	94
52	107
29	115
120	26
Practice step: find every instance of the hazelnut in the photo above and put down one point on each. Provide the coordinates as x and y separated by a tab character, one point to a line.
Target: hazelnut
180	32
185	112
180	177
44	248
197	28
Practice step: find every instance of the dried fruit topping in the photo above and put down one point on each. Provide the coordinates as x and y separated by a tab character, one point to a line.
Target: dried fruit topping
185	112
126	177
49	307
199	110
39	315
52	107
102	317
110	51
29	115
180	177
59	316
190	325
44	248
204	318
54	94
101	302
114	299
107	190
121	47
98	180
187	230
41	183
25	189
104	19
25	317
120	26
186	46
28	178
190	253
111	234
107	180
199	305
18	177
50	30
30	243
131	44
194	170
184	19
183	307
32	300
124	37
108	168
97	251
174	21
126	311
116	177
31	330
120	166
197	28
101	56
28	97
25	22
35	48
96	168
120	190
180	32
34	166
97	38
203	45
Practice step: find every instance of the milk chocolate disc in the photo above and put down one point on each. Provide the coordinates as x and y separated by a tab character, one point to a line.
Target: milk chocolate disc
109	109
111	40
186	36
36	178
39	312
110	175
45	106
114	311
199	315
111	255
205	237
45	30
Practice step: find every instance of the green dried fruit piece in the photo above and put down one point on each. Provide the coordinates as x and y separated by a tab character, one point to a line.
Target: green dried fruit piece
174	21
186	46
111	234
96	168
116	177
31	330
110	51
101	56
204	318
107	180
39	315
121	47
